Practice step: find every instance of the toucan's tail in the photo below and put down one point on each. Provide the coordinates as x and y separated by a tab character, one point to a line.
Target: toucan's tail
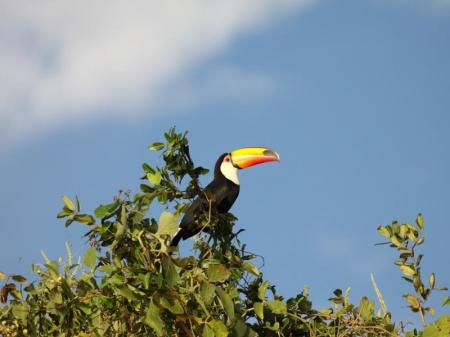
176	239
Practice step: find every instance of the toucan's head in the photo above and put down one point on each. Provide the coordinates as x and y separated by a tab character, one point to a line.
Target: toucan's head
229	163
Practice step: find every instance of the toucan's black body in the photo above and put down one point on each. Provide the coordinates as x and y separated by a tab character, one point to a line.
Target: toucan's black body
221	193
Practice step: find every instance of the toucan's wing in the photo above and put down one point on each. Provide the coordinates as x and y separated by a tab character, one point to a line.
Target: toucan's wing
218	194
189	221
188	225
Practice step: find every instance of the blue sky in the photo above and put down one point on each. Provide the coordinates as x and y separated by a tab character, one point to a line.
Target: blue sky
354	95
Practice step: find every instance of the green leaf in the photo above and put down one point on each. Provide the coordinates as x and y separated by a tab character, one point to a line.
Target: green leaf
404	232
277	307
69	204
326	312
218	273
157	146
78	203
65	212
85	308
220	330
126	292
407	269
227	303
90	258
446	301
207	331
413	301
154	178
106	268
259	309
172	304
147	168
167	224
396	240
420	221
251	268
170	272
153	319
366	308
432	280
66	289
384	230
104	210
19	278
420	241
84	218
146	280
262	290
20	311
207	292
274	327
240	329
440	328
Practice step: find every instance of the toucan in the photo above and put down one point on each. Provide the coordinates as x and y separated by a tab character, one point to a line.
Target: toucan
222	192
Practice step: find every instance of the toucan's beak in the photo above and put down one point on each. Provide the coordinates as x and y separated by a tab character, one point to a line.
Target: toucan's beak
249	156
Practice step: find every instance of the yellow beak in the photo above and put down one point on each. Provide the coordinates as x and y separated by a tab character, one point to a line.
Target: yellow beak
249	156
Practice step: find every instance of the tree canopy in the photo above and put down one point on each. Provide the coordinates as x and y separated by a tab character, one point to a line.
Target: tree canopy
130	282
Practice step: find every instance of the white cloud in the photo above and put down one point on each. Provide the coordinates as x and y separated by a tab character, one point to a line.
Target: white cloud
67	61
222	83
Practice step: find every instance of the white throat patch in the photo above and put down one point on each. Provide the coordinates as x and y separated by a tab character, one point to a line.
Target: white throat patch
229	171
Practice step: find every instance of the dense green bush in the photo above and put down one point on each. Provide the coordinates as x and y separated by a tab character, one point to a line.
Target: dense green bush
130	282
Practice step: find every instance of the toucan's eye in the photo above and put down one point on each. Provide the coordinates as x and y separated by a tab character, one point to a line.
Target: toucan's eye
227	159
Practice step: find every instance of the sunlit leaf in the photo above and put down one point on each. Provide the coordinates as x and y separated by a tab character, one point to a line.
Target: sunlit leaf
220	330
207	292
84	218
69	203
218	273
396	240
104	210
227	302
20	311
126	292
65	212
171	304
259	309
420	221
90	258
407	270
432	280
383	230
420	241
156	146
167	224
240	329
262	290
207	331
277	307
366	308
413	301
170	273
153	319
251	268
154	178
85	308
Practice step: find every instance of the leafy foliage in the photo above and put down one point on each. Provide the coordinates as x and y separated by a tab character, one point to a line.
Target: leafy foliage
130	282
